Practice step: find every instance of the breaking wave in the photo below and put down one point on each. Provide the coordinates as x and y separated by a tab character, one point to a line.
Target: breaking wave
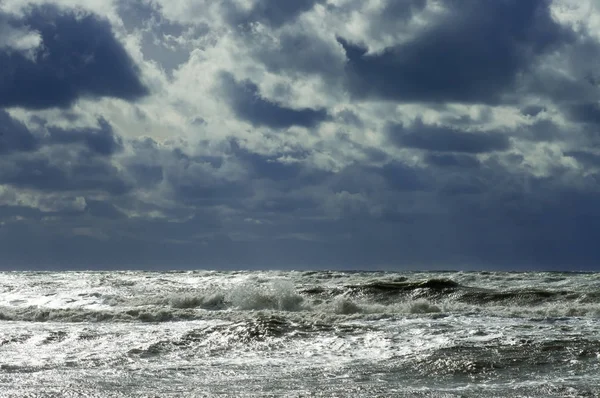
119	299
463	334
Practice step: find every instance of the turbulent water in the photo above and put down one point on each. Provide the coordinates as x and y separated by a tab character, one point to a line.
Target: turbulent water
344	334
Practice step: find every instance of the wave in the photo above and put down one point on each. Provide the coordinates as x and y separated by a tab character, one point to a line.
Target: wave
384	292
37	314
500	356
439	285
278	295
214	301
338	310
393	296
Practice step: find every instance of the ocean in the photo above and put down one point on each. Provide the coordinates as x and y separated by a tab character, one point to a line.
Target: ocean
299	334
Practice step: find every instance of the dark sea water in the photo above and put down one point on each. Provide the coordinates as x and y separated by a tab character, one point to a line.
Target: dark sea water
299	334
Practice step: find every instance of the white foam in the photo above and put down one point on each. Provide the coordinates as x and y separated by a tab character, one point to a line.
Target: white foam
277	294
236	331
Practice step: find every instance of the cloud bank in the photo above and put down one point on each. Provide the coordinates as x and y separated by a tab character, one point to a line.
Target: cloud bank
314	134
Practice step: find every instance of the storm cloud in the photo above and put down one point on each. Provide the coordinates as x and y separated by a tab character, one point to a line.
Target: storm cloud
473	55
78	56
307	134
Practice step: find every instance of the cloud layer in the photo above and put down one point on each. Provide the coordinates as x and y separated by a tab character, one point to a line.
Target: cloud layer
314	134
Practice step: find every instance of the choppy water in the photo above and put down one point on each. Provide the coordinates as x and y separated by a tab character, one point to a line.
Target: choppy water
345	334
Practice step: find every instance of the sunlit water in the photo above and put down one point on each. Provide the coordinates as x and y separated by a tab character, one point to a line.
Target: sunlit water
241	334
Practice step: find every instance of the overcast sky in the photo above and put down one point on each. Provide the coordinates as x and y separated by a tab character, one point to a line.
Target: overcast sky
398	134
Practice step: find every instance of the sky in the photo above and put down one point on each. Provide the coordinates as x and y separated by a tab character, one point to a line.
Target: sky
219	134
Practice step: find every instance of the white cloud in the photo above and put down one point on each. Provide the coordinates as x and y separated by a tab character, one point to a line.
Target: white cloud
19	39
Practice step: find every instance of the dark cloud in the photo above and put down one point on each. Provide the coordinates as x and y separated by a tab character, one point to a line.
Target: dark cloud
9	213
393	176
15	136
196	180
287	204
36	173
269	166
396	215
585	158
446	139
401	177
59	159
456	194
446	160
101	141
585	113
146	175
473	55
191	179
102	209
79	57
68	174
247	103
293	170
533	230
543	130
462	186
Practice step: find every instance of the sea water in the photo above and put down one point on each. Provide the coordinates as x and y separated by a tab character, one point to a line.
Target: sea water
299	334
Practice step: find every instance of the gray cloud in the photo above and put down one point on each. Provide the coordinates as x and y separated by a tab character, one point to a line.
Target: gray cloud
78	57
446	160
507	178
72	174
446	139
103	209
473	55
54	159
395	212
585	113
585	158
15	136
247	103
101	141
543	130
